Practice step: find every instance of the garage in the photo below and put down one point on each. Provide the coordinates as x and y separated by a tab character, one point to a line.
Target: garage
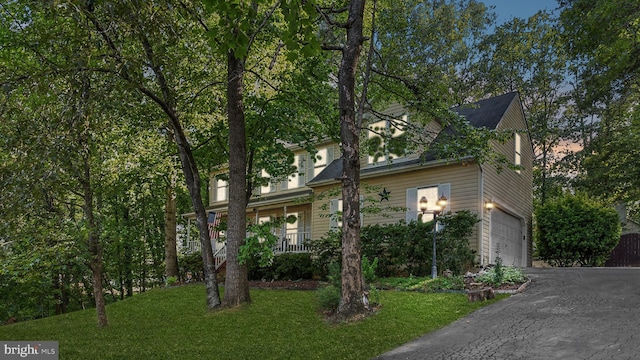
506	237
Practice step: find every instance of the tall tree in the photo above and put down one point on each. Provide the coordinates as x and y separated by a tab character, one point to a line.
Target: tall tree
602	39
239	28
527	55
153	30
351	302
170	226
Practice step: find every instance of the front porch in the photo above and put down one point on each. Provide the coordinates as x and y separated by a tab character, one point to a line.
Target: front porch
290	242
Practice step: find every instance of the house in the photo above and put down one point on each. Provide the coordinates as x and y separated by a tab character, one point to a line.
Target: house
505	226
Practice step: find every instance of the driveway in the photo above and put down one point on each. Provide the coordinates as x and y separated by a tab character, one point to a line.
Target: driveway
565	313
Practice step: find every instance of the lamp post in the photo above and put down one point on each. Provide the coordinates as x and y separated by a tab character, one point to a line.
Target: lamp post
440	205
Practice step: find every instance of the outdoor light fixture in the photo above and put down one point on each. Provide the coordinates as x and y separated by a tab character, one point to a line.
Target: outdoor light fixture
489	205
441	205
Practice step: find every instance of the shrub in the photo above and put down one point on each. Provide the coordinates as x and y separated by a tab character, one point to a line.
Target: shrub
288	266
170	281
191	263
369	269
328	298
293	266
405	248
508	275
325	251
453	249
574	229
498	272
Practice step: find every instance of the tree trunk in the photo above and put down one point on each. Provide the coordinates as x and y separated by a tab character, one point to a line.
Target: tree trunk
351	303
192	177
236	282
190	169
170	250
84	178
95	250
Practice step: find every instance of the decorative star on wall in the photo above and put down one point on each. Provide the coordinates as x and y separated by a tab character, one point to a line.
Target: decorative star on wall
384	194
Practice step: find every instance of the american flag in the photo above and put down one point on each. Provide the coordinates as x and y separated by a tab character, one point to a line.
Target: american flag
212	222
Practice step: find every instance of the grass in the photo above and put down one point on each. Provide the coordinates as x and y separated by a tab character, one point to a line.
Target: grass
174	324
426	284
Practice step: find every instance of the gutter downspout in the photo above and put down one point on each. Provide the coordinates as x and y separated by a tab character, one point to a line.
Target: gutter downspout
481	208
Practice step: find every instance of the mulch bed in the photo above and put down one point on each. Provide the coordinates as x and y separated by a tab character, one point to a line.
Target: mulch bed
286	284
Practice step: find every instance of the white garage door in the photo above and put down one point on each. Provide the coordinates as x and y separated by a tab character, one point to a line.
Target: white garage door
506	237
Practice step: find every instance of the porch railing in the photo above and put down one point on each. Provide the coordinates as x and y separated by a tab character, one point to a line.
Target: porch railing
289	243
294	243
220	256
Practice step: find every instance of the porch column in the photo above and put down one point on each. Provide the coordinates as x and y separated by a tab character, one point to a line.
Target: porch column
284	240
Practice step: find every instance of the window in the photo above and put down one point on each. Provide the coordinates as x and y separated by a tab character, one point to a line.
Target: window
221	190
270	187
297	179
302	167
323	158
518	151
432	193
335	210
380	151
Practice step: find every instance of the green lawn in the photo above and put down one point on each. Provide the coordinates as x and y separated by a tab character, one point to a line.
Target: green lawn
279	324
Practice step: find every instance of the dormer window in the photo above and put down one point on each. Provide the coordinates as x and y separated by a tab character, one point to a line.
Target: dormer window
221	190
297	179
382	148
323	158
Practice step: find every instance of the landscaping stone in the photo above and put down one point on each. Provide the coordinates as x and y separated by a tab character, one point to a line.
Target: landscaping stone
481	294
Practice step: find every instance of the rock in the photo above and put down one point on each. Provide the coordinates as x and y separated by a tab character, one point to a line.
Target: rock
481	294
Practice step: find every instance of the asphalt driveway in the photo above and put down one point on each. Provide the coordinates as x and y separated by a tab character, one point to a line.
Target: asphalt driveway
566	313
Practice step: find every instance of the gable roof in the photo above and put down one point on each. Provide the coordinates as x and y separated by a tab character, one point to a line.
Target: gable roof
486	113
482	114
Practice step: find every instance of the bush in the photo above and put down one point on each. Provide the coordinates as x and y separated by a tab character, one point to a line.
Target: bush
293	266
288	266
170	281
191	263
325	251
574	229
405	249
369	269
328	298
506	275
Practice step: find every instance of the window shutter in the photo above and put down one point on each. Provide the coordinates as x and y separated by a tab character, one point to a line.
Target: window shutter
412	203
361	213
302	160
333	209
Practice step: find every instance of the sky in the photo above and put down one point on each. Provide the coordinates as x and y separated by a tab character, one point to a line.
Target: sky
508	9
